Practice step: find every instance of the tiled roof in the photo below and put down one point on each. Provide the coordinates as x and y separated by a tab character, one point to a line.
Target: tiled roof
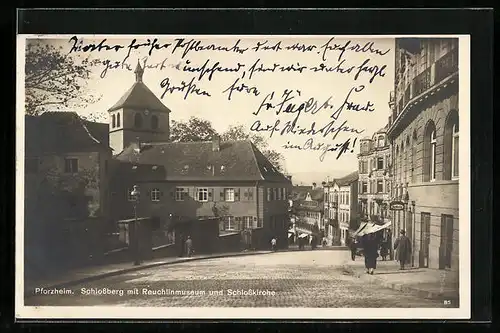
139	96
65	131
301	194
195	161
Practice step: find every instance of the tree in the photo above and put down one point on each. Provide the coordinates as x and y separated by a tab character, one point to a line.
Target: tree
195	129
53	80
238	132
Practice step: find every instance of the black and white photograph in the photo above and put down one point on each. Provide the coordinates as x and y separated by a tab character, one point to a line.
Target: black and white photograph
243	176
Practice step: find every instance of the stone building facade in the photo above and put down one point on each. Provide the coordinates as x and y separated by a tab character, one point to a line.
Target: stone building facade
424	134
374	177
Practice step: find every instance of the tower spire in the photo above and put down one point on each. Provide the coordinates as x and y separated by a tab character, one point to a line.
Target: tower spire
139	71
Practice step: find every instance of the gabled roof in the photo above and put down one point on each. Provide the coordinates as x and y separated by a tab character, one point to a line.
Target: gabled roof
139	96
64	131
196	161
301	194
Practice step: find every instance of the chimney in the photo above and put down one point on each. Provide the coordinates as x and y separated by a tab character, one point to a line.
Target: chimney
216	143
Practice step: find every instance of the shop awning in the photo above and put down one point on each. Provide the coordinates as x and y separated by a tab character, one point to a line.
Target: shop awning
360	229
303	235
304	231
372	227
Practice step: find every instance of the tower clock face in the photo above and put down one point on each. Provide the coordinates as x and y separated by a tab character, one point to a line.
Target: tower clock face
146	112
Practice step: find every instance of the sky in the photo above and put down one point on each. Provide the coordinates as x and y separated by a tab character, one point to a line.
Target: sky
263	71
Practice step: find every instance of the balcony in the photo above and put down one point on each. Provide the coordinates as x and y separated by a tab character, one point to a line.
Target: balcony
392	99
446	65
424	83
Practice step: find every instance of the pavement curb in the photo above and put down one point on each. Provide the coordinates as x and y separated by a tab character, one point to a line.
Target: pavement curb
141	267
402	288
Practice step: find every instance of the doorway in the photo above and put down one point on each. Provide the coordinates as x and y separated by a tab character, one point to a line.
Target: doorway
425	234
446	241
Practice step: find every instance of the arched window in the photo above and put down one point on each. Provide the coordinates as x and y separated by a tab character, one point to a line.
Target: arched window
113	121
454	152
429	170
138	120
381	141
396	163
407	158
450	146
154	122
118	120
413	156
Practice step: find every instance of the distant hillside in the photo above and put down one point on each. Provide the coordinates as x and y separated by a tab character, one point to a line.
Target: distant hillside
307	178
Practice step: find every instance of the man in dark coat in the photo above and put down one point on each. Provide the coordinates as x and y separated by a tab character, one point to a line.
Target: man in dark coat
403	247
370	250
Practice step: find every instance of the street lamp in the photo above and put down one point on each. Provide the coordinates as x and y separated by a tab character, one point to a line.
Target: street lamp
135	194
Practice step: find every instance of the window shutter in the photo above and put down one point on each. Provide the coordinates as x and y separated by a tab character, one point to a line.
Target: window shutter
161	193
236	194
210	194
196	195
222	196
255	222
245	193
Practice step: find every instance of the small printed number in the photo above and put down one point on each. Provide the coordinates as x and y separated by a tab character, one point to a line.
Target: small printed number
447	302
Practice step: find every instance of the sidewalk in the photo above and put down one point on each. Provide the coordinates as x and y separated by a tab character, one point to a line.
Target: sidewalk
88	274
422	282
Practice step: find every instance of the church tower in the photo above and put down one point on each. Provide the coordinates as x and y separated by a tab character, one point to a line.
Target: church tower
138	115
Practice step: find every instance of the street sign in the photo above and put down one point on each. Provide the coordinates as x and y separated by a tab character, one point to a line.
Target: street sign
397	205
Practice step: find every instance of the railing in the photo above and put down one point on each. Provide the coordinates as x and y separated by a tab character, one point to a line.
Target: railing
422	82
446	65
440	70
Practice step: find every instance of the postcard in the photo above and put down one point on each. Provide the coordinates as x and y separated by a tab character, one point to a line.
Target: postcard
243	176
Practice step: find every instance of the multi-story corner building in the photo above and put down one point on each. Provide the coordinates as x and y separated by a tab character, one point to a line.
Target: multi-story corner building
307	209
341	207
424	134
183	182
330	215
374	177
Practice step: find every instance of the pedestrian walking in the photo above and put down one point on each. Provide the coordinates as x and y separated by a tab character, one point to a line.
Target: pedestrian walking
352	244
384	249
273	244
403	247
370	250
189	246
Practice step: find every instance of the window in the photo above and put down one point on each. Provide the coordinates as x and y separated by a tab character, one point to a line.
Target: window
380	163
229	223
364	187
71	165
31	165
113	121
381	141
154	122
269	194
203	194
347	198
454	153
118	120
278	197
248	222
429	170
433	155
229	194
180	193
155	194
450	146
138	120
380	186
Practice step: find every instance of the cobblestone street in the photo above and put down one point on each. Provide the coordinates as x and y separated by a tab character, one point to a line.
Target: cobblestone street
283	279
